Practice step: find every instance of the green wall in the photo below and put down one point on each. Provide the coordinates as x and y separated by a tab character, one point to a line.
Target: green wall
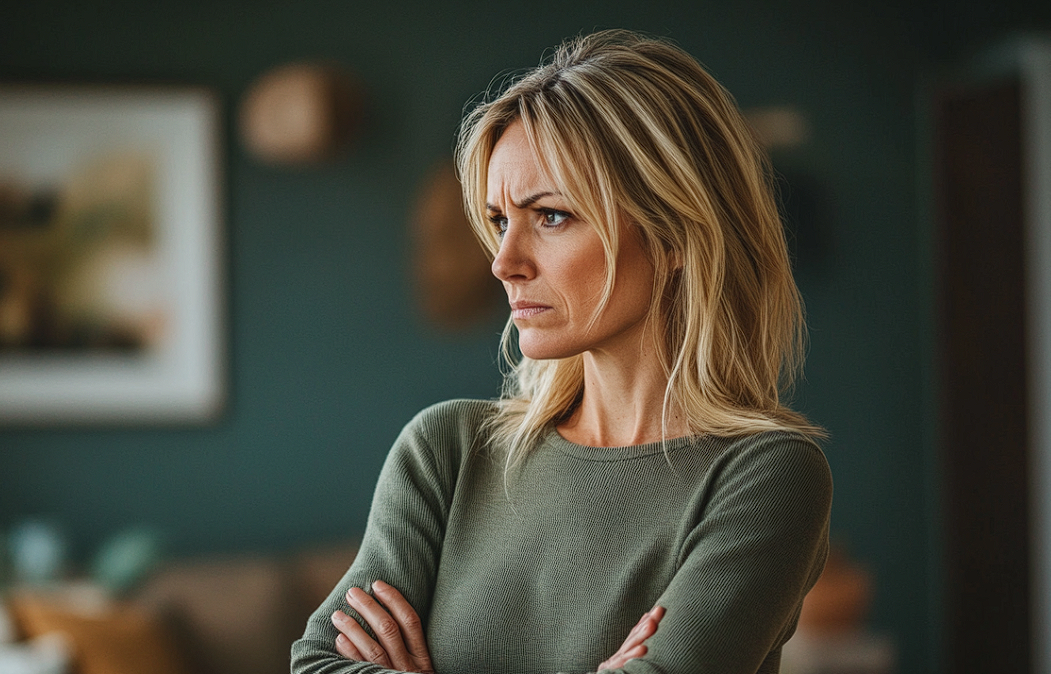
327	356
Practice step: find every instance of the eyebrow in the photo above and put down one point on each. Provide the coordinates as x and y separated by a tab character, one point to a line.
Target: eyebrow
527	202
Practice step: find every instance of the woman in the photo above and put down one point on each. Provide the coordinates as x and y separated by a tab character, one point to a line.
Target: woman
640	461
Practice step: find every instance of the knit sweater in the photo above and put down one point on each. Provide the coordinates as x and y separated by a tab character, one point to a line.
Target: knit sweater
546	567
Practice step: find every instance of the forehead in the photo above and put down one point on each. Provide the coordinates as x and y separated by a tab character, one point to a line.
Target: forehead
514	168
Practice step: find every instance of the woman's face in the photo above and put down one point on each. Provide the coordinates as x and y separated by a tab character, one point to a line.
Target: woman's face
553	267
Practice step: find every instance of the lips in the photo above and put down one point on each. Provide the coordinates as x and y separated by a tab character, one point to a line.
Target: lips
524	309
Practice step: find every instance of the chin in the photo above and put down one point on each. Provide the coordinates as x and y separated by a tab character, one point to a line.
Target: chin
541	351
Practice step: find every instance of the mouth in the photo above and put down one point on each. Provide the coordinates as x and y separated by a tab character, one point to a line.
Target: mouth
523	310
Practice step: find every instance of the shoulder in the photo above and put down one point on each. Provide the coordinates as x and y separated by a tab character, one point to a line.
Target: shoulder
768	451
772	486
448	430
452	417
434	447
780	465
771	449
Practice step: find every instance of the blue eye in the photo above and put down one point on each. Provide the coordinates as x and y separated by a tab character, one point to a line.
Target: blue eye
500	222
554	218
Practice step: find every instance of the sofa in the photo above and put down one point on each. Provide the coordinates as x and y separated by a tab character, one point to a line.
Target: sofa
234	614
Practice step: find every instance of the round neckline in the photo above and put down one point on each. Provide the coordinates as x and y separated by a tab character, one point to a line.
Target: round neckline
555	440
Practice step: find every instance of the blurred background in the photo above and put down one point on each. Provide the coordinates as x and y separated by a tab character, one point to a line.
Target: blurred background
328	351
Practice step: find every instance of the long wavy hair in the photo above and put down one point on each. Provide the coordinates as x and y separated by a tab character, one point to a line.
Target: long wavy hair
635	133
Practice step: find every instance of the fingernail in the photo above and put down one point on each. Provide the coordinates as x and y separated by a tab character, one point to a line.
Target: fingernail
379	585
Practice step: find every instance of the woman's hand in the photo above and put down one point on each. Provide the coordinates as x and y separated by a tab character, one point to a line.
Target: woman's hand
633	647
396	625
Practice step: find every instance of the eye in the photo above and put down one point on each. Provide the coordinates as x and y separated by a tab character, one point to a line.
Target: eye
554	218
499	222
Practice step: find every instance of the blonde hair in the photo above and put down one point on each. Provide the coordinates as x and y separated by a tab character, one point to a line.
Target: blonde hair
633	130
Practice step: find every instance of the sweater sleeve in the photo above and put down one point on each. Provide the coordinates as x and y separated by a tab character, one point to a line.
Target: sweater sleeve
758	544
402	541
754	540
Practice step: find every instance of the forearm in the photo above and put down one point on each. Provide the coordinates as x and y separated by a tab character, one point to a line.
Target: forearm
401	544
317	657
746	567
318	650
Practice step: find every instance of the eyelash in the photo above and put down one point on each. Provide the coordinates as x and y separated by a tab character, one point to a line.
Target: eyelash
500	222
548	213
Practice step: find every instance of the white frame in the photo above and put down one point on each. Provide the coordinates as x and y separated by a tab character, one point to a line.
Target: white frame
43	128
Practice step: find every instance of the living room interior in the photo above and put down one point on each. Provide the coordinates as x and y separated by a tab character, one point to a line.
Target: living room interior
330	337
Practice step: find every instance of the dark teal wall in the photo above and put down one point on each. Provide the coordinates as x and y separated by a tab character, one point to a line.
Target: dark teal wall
327	357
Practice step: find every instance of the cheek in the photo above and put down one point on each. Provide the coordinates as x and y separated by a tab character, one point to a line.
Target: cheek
587	272
635	282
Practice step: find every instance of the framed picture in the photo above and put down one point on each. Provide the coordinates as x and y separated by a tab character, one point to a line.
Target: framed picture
110	255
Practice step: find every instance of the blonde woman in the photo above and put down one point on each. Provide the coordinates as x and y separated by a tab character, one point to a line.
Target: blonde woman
640	461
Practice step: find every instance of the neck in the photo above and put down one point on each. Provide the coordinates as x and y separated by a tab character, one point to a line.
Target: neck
623	403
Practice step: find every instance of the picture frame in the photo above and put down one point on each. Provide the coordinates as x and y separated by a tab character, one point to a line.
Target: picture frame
110	255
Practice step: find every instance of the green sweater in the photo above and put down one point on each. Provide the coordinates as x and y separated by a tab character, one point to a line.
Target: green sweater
547	570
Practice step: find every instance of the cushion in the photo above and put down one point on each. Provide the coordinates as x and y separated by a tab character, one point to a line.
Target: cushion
106	637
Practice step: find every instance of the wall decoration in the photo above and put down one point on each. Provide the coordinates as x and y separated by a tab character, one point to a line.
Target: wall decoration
454	285
779	126
784	131
109	255
301	113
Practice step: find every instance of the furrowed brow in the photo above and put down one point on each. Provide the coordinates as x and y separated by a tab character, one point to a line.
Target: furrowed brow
525	203
533	198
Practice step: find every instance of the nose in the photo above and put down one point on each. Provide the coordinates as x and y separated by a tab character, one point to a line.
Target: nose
514	260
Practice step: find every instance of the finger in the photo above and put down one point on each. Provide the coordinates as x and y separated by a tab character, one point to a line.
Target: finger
647	629
647	625
344	624
643	630
354	643
347	649
367	648
385	627
407	618
633	646
631	654
621	658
